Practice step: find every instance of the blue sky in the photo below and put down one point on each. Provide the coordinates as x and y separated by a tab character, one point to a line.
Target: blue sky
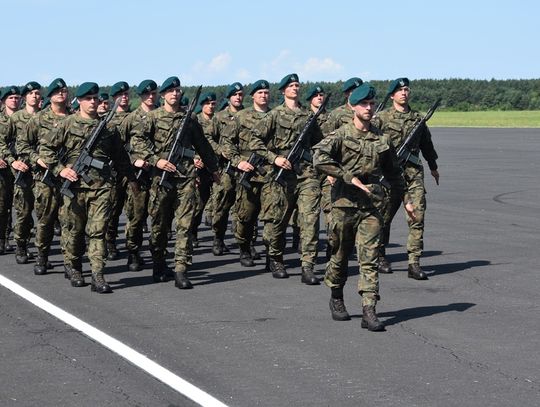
217	42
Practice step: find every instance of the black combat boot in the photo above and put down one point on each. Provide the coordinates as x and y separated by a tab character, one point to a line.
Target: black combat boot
308	277
40	267
99	285
180	278
384	266
416	272
255	255
337	306
68	270
245	256
217	247
195	241
159	271
277	268
133	263
21	254
112	251
370	320
76	278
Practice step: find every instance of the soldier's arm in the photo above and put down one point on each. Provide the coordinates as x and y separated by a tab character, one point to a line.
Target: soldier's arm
229	142
326	159
427	148
11	131
26	145
141	141
259	136
49	146
202	146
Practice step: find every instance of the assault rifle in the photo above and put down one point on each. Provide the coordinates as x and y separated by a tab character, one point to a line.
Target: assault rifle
403	152
297	151
382	104
258	164
22	177
47	178
85	161
178	151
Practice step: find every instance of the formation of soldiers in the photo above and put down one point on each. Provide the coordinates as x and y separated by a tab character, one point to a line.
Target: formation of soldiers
79	165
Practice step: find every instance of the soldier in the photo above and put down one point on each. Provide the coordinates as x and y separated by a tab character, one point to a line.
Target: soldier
88	210
236	148
357	155
104	104
120	92
45	189
10	99
273	137
224	194
342	114
397	121
152	142
137	204
24	194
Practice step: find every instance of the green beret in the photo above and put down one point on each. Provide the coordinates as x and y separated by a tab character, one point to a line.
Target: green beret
146	86
224	103
260	84
207	97
397	83
314	91
232	89
290	78
119	87
363	92
75	105
55	85
184	101
169	83
87	88
103	96
351	84
12	90
46	103
29	87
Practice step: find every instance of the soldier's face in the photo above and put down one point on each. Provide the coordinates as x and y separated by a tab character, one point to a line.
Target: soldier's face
237	99
124	99
149	98
365	109
103	107
12	102
401	96
291	91
209	108
260	98
59	96
33	97
88	104
172	96
317	100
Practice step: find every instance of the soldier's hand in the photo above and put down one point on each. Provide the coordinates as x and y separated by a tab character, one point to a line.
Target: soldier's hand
198	163
245	166
69	174
3	164
435	175
41	163
331	180
359	184
165	165
216	177
409	208
283	163
140	164
20	166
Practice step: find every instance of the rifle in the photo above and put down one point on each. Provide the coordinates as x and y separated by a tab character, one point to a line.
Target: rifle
403	153
85	160
382	104
297	152
178	151
47	178
257	162
20	178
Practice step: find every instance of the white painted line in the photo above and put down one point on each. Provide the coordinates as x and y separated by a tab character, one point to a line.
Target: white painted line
138	359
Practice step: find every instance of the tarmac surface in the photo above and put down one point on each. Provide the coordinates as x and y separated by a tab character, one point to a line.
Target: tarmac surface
468	336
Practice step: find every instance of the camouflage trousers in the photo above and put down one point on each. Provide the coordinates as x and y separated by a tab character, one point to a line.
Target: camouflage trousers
202	196
6	200
23	202
180	201
223	195
118	197
136	208
326	200
277	205
87	214
352	227
417	194
47	205
248	207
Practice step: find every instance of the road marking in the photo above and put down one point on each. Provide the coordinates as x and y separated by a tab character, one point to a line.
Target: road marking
138	359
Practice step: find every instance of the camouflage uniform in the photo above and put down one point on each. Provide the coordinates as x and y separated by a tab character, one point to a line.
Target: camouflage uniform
397	125
151	141
7	153
274	136
89	211
356	220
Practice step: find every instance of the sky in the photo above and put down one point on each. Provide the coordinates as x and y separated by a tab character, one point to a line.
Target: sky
220	42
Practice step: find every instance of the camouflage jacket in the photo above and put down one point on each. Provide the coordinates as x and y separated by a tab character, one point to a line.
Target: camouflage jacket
336	118
369	156
7	140
70	134
277	132
130	122
15	129
154	137
210	129
397	125
116	123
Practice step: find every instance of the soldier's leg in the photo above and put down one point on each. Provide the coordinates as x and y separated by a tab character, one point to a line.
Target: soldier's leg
388	211
415	240
183	214
136	209
201	198
24	205
99	212
118	196
295	243
47	204
5	205
309	208
248	206
75	216
224	195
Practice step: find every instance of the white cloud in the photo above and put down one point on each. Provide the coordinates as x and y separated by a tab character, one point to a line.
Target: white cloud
315	66
219	63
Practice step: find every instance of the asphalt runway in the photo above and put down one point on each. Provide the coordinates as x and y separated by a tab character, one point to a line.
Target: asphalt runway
468	336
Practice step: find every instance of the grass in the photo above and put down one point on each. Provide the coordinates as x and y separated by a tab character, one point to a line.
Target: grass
518	119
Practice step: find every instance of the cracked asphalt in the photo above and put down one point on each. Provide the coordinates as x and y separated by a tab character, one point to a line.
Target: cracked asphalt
468	336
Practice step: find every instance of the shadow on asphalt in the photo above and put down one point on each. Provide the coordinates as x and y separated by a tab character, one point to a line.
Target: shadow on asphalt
447	268
395	317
